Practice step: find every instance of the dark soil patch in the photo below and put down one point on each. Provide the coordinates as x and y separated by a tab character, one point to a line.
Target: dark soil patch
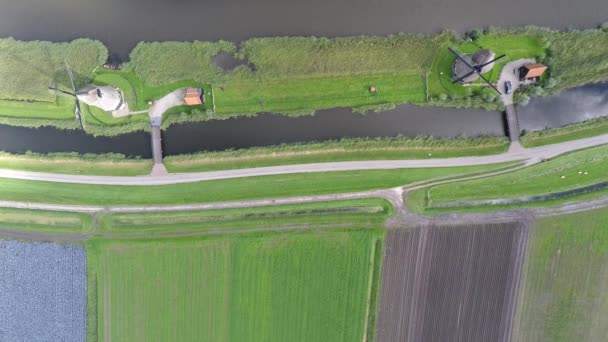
451	283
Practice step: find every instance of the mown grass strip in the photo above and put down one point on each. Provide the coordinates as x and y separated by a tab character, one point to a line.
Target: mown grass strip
25	220
355	213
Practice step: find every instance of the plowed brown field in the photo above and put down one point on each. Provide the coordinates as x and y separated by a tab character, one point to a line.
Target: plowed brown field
451	283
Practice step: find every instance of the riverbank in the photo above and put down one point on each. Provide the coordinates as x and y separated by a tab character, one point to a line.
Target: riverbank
109	164
337	150
294	75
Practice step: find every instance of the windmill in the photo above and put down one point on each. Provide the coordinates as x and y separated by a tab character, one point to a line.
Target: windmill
77	112
476	69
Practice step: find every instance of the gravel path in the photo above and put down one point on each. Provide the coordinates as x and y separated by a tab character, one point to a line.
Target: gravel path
530	155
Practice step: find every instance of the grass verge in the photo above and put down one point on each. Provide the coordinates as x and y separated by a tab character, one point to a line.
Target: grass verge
74	163
581	130
337	150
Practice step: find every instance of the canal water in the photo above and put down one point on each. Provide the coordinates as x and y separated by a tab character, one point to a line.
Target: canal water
268	129
568	107
49	139
120	24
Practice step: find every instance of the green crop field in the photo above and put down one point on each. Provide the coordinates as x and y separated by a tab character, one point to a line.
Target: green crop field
564	293
302	286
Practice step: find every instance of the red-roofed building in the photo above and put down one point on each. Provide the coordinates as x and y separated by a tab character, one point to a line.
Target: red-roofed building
532	71
194	96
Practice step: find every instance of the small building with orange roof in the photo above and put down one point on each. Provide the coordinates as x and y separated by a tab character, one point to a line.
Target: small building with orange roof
194	96
532	71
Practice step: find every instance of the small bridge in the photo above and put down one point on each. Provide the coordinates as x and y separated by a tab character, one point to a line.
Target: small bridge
512	123
157	147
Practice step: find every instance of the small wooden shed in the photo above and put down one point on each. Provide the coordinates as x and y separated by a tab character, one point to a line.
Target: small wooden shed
194	96
532	71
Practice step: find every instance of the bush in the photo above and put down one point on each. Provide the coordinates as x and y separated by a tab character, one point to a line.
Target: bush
443	97
522	100
473	34
550	83
604	26
489	97
374	108
537	91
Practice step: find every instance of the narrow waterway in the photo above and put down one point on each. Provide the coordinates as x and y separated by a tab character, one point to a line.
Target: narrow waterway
268	129
568	107
120	24
49	139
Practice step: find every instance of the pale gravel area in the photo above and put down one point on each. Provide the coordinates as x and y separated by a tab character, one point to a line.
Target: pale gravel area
42	292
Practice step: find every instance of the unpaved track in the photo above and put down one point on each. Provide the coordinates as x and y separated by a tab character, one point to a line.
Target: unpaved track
530	155
392	195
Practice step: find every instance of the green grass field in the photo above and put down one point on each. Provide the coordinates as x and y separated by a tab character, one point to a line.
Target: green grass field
310	94
223	190
564	293
62	108
300	286
538	179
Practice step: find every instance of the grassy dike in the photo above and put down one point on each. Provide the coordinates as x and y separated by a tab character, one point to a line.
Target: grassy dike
571	171
224	190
